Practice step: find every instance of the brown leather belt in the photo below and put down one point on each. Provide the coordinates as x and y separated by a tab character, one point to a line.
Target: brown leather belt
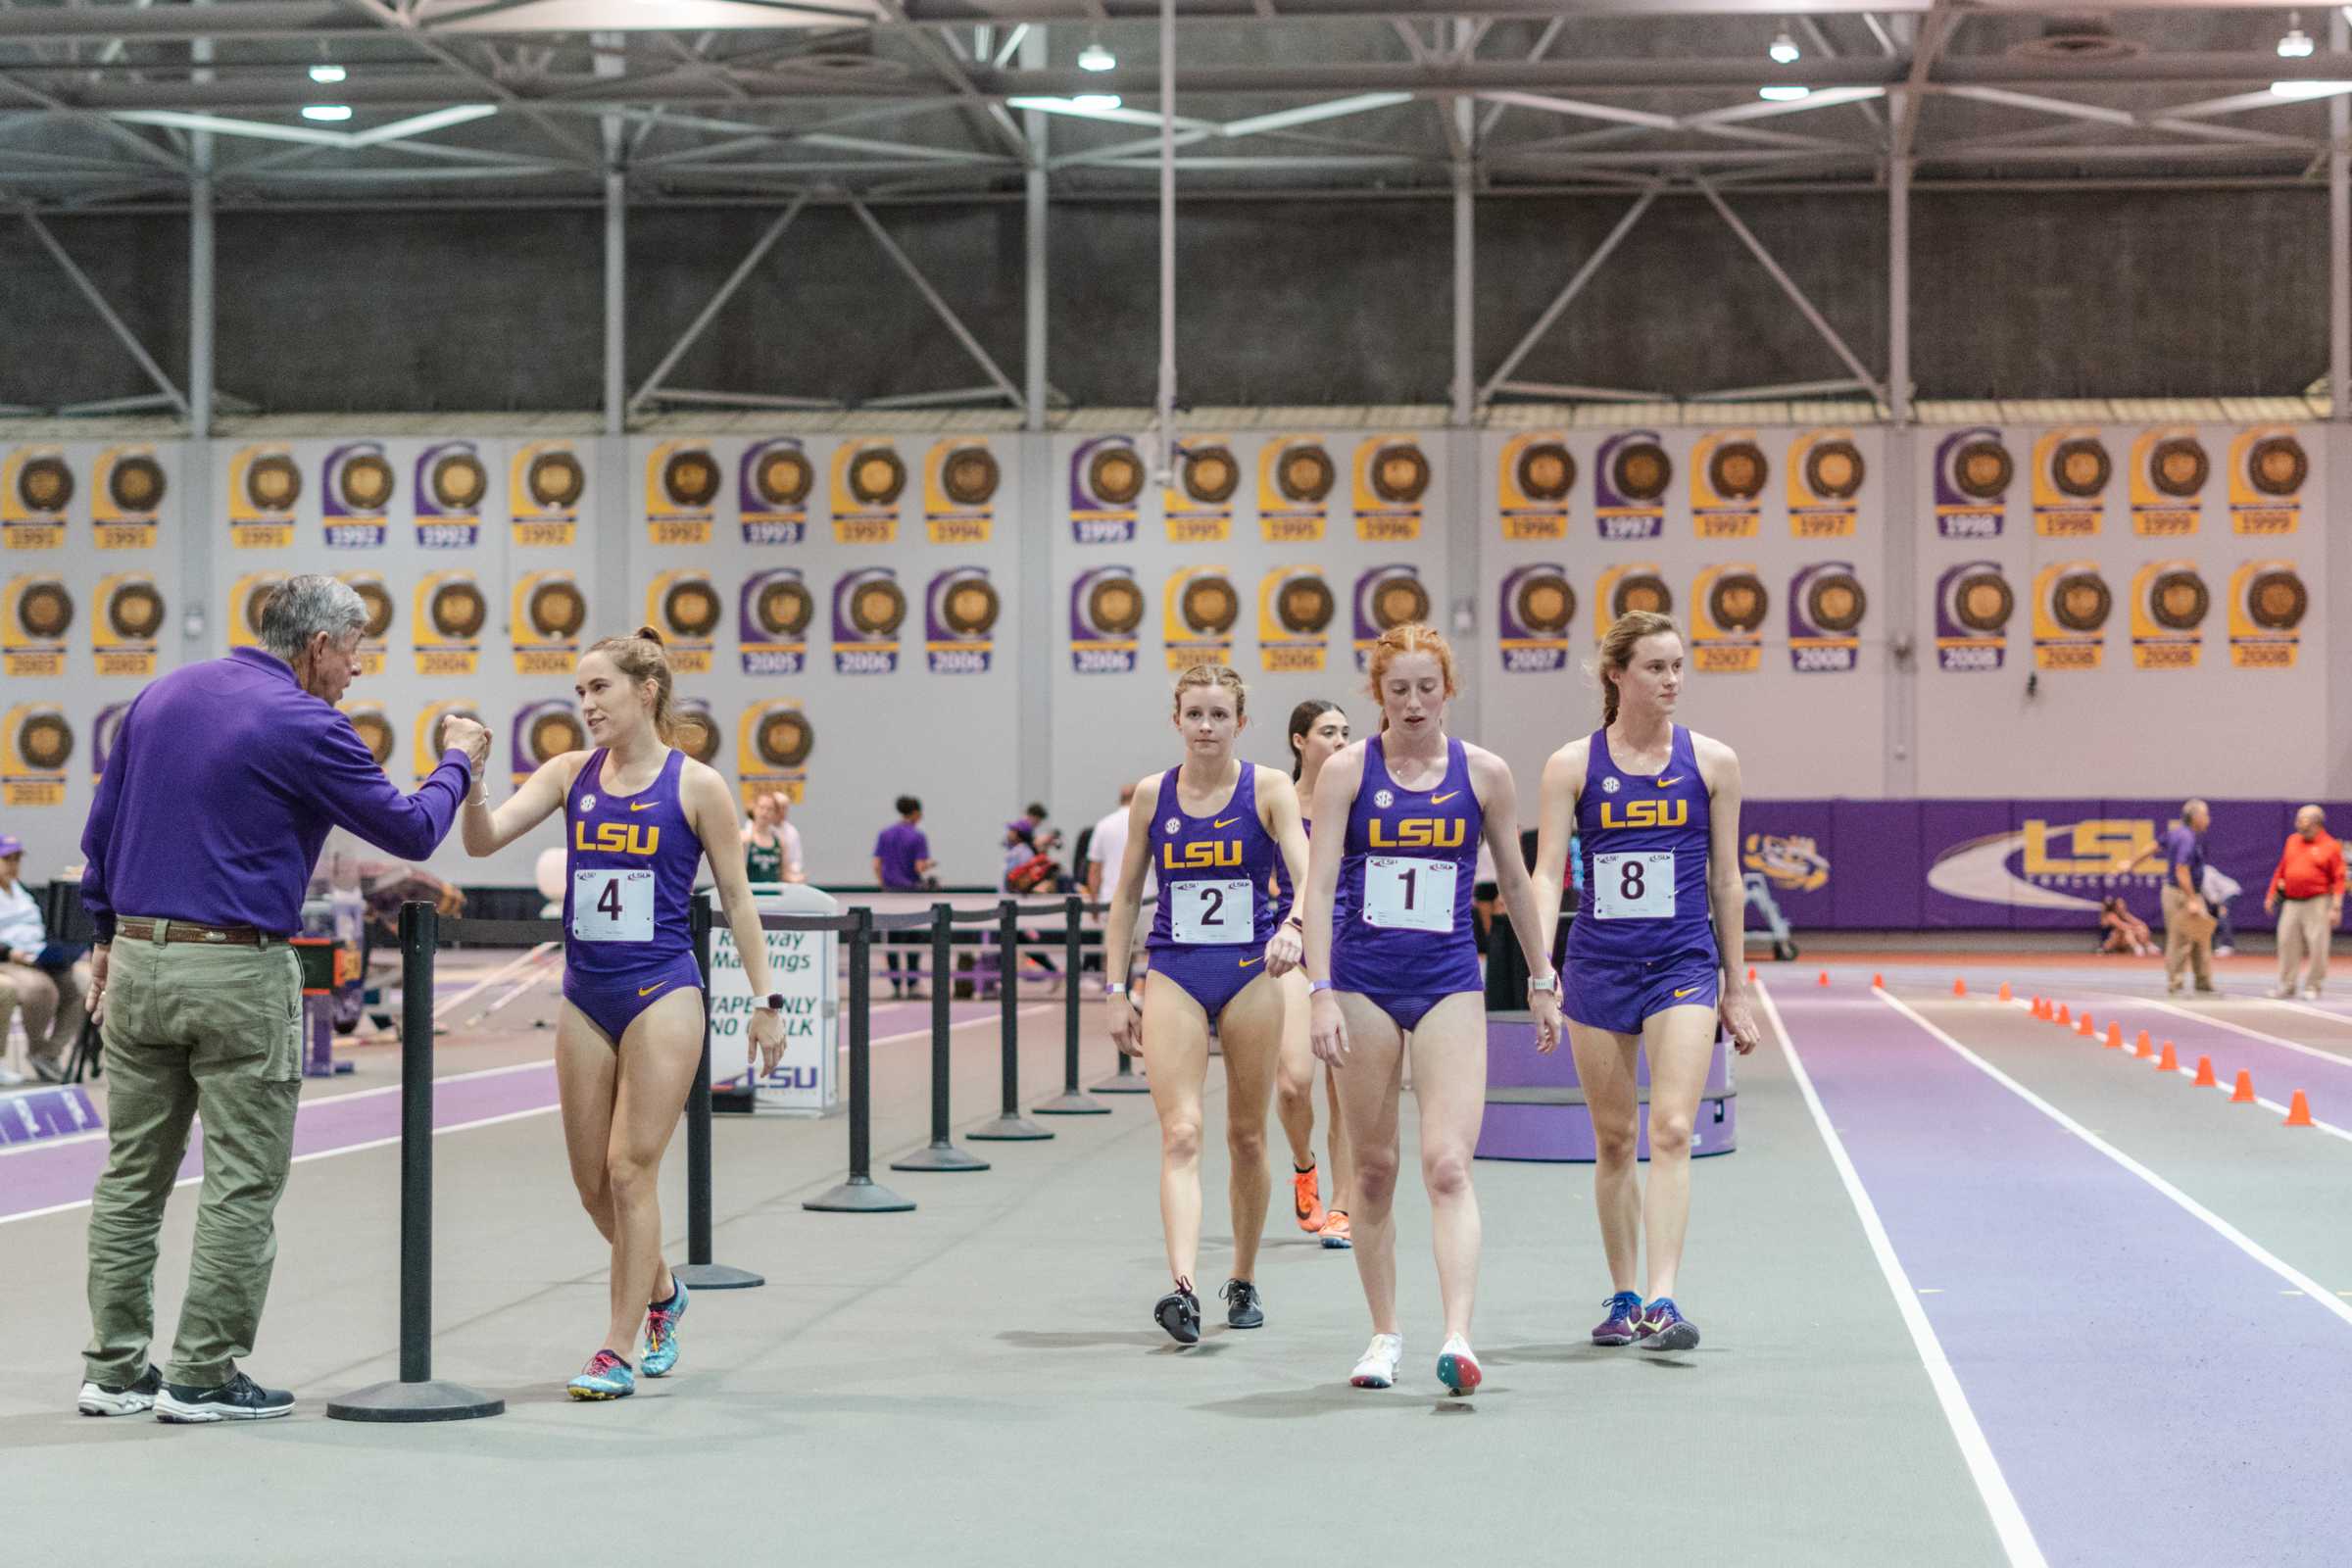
220	936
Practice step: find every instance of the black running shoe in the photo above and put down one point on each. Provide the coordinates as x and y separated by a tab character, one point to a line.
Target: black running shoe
1243	1308
241	1399
129	1398
1179	1312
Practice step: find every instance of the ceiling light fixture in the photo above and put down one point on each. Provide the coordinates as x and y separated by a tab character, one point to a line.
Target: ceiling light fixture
2310	89
334	73
1783	49
328	111
1093	57
1784	94
2296	44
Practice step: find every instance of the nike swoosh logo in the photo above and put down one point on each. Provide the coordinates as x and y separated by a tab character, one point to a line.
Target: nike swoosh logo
1669	783
1247	963
1440	800
1678	995
643	805
647	991
1225	821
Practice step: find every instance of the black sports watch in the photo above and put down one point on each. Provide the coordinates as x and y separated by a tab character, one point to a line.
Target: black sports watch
774	1003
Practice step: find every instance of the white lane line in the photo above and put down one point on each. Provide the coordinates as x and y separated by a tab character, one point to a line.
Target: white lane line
2008	1519
2220	1226
2266	1038
2293	1006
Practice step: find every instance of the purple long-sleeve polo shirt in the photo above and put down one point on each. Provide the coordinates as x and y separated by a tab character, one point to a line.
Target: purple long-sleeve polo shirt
220	789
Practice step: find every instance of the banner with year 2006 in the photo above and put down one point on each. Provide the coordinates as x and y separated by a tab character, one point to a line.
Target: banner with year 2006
802	964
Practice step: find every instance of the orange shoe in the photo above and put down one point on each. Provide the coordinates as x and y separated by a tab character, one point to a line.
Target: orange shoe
1306	1200
1335	1231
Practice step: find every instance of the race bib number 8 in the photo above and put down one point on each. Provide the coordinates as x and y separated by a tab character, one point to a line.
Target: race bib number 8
612	906
1209	914
1633	887
1405	893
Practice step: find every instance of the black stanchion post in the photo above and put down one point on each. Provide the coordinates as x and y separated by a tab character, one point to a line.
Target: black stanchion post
860	1193
941	1155
414	1395
1010	1126
699	1271
1072	1100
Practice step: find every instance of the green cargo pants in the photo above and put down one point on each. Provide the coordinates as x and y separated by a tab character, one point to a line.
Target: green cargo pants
192	1029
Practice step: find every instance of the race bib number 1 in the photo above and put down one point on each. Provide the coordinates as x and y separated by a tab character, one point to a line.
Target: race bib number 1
1211	915
1634	886
1406	894
609	906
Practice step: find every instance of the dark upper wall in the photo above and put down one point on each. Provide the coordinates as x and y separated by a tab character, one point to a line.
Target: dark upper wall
2014	295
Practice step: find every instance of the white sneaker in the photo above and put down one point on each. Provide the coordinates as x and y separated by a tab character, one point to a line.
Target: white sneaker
1457	1367
1378	1368
2312	994
2278	993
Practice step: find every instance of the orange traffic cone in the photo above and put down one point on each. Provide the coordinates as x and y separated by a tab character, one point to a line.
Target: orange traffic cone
2115	1036
2205	1077
2005	992
2298	1112
1877	982
2168	1062
2140	1045
1959	985
2243	1094
2087	1027
2040	1007
2062	1015
2145	1053
1752	971
1824	977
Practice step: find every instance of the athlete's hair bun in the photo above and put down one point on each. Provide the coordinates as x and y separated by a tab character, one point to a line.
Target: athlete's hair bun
649	634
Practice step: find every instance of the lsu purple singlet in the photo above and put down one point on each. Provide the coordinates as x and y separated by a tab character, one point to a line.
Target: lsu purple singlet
630	865
1210	928
1400	925
1644	938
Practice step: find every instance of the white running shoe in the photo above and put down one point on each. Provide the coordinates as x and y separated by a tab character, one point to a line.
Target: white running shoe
2312	994
1457	1367
1378	1368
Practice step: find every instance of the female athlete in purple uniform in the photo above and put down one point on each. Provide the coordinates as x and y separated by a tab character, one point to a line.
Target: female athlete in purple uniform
1212	830
1656	811
1392	961
638	816
1318	728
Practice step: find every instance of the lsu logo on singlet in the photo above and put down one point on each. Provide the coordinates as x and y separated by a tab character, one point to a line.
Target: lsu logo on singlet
1200	855
1416	833
617	838
1644	814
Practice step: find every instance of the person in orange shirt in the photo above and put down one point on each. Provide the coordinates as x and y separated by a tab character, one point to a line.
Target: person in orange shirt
2310	879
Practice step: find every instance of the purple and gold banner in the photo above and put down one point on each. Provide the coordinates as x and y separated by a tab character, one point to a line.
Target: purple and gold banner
446	626
1973	606
2268	468
451	484
2071	606
1636	585
2169	467
1537	474
36	743
771	623
126	496
1386	596
356	493
1533	619
1729	605
1630	475
545	482
1296	607
129	624
1973	473
1106	475
36	611
1826	474
548	611
959	622
2168	605
868	608
2071	471
36	488
772	744
685	606
2268	602
1198	509
1197	611
868	478
772	491
1107	606
1728	474
1826	606
263	486
681	484
961	477
1294	478
1391	475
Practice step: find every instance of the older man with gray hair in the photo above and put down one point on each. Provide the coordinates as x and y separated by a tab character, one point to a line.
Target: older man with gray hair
224	779
2188	921
2309	882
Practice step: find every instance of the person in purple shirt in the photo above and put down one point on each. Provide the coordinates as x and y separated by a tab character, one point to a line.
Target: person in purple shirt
903	864
2187	922
223	784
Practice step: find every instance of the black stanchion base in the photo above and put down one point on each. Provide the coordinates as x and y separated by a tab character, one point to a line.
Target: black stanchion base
1070	1102
716	1277
414	1402
860	1195
1014	1129
939	1156
1124	1083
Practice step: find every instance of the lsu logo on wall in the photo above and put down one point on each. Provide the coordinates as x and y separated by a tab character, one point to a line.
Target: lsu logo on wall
1199	508
1973	471
1106	607
2169	602
246	596
773	741
1728	607
2268	602
2071	471
1418	833
2268	468
1386	596
367	721
2169	466
1198	608
126	496
1826	606
1391	475
1532	620
543	731
771	623
868	608
1621	590
2052	865
1296	607
681	485
378	600
2071	606
1294	478
1106	474
1790	861
35	744
549	609
868	477
1536	474
449	485
129	624
358	486
446	624
36	614
545	482
1973	606
961	478
264	487
432	734
685	607
36	488
1825	471
1630	475
772	482
1727	476
959	622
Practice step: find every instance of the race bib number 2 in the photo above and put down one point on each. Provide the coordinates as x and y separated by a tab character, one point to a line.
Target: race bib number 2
1634	886
1212	914
1407	894
609	906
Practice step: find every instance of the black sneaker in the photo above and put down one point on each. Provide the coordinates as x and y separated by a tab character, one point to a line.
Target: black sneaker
241	1399
1243	1308
129	1398
1179	1312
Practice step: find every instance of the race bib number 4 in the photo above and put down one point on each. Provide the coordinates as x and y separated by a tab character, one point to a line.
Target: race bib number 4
612	906
1406	894
1211	915
1633	887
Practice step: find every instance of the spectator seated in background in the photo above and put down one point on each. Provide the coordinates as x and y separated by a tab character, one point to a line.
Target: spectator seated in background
1041	872
41	980
2122	931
